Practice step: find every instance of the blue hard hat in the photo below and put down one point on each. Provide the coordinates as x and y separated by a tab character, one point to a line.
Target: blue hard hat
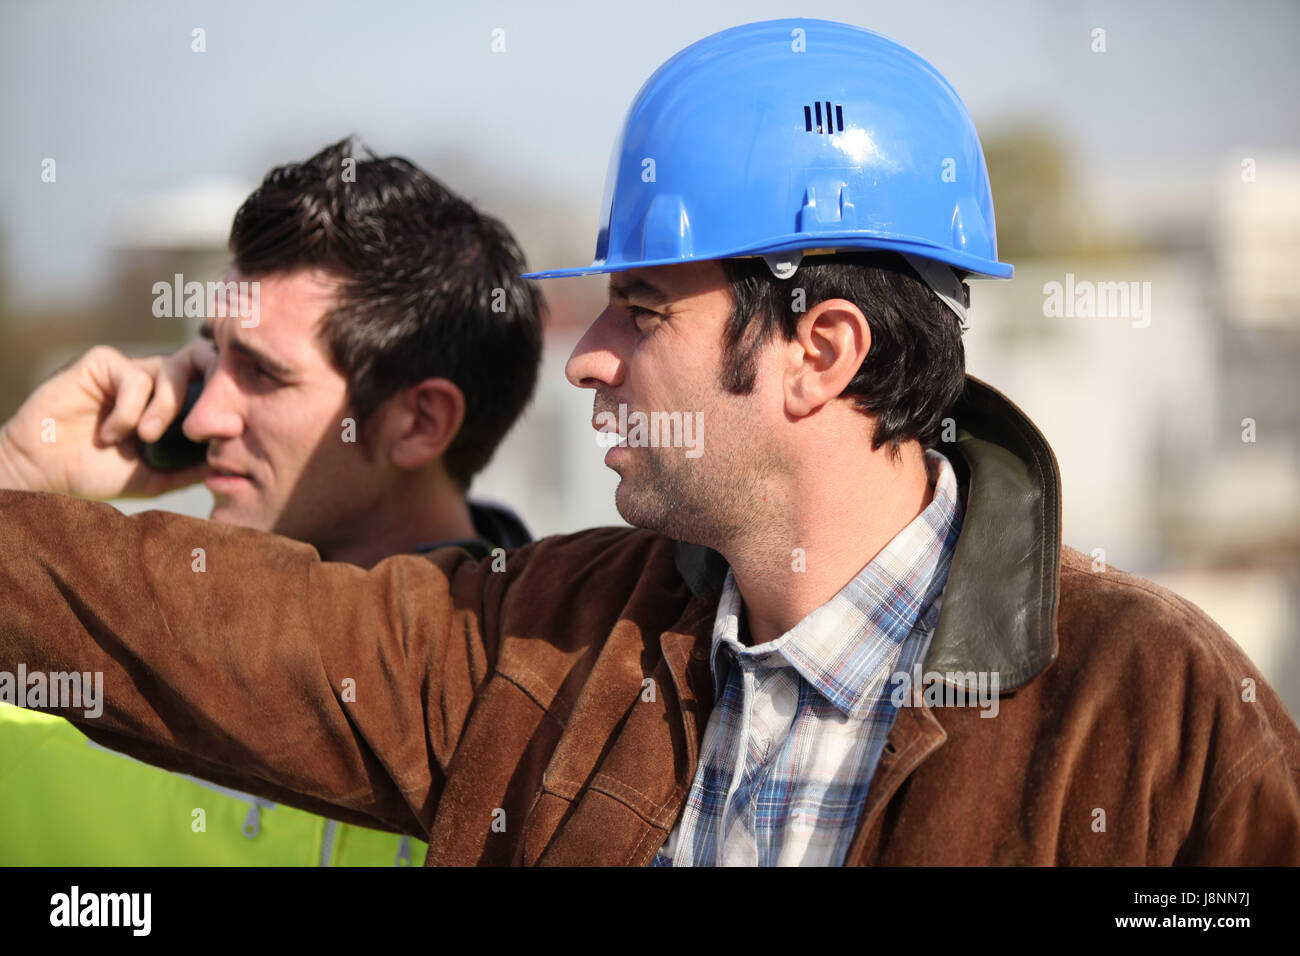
785	137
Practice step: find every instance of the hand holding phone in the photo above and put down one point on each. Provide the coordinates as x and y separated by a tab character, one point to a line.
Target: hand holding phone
83	431
174	450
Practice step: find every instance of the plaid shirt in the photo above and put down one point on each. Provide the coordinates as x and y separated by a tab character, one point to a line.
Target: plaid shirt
800	722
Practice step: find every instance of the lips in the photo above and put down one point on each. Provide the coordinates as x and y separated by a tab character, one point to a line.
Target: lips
225	471
223	478
606	423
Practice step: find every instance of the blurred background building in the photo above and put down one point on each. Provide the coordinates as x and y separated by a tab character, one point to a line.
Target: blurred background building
1164	150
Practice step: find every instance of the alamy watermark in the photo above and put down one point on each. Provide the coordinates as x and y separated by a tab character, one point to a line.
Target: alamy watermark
1086	299
946	689
195	300
65	690
651	430
75	908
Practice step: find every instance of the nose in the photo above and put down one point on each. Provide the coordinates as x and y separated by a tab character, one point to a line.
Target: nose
218	412
595	361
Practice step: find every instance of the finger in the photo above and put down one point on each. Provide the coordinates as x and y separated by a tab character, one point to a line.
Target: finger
203	356
171	378
129	388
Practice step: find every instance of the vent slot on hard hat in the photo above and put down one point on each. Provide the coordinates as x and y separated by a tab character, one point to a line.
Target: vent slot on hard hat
827	127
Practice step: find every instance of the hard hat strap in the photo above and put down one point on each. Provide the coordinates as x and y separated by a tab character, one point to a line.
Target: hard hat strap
940	277
937	275
783	264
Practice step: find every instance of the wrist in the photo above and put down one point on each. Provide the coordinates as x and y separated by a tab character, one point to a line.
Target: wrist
16	469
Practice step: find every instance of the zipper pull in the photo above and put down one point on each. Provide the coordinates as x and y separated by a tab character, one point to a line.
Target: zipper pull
403	852
253	822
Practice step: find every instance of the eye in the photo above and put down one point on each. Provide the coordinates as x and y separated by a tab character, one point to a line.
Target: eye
255	374
644	318
265	376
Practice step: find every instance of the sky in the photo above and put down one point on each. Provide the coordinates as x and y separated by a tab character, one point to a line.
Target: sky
115	94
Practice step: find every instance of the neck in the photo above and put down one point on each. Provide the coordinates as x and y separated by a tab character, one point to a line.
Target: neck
839	510
417	510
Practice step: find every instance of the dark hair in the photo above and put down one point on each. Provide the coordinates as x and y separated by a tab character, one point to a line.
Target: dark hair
430	286
916	366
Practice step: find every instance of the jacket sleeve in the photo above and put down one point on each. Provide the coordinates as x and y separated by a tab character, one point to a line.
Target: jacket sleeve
240	657
1256	820
1257	824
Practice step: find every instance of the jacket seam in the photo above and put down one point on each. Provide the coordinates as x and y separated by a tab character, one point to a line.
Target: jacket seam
1194	622
610	785
609	788
638	851
549	786
525	672
1209	820
571	789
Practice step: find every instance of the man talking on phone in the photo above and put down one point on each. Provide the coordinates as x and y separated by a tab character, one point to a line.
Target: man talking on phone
389	346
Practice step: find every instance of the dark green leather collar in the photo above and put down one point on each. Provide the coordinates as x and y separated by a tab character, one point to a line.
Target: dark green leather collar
999	606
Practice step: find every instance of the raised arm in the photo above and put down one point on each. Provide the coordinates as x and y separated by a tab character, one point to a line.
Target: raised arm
240	657
80	431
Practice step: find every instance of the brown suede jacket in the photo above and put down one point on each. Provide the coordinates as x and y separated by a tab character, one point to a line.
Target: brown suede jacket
551	712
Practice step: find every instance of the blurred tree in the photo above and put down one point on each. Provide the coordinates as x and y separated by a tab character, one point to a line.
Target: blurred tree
1032	192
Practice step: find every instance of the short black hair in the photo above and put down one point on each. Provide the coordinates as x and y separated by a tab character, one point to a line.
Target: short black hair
916	366
430	286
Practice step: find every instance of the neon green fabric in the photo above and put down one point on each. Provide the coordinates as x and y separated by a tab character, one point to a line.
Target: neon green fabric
65	801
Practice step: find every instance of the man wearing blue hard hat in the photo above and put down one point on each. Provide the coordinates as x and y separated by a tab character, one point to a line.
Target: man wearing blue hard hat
845	630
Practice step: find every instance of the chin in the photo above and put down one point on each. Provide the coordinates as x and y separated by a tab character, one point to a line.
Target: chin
650	510
239	517
222	515
632	508
682	505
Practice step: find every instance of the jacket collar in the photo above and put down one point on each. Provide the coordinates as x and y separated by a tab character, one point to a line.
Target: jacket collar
999	606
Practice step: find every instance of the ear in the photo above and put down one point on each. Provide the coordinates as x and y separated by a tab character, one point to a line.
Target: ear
830	342
421	421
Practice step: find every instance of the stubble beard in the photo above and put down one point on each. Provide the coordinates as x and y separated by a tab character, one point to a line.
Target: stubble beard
678	498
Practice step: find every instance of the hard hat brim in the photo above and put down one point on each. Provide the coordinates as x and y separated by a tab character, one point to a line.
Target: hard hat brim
976	266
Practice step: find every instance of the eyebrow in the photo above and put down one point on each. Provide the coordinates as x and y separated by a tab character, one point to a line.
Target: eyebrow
249	351
638	288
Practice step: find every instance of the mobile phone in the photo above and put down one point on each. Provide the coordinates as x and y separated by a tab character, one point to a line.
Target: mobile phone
173	451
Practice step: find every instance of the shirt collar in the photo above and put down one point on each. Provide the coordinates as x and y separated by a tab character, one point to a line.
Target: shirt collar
840	648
